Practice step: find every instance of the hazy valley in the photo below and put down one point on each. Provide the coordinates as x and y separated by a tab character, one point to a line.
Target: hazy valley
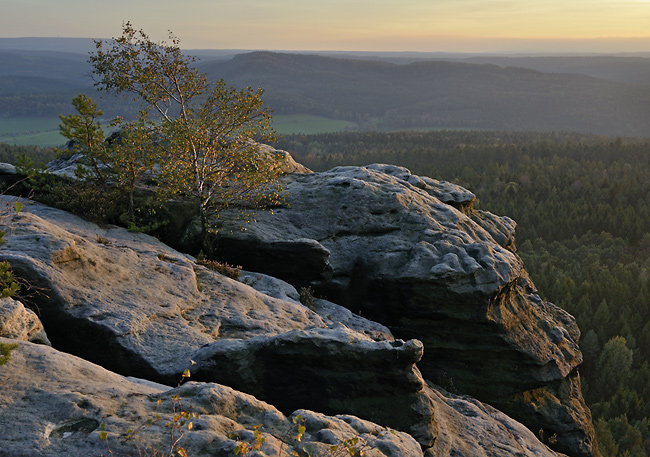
604	95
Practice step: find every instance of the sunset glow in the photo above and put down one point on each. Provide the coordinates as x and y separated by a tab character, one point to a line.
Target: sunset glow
410	25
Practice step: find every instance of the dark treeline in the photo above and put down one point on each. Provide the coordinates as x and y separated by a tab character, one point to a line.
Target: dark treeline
15	154
582	204
51	104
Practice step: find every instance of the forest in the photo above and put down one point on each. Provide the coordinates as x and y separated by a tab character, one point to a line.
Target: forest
582	205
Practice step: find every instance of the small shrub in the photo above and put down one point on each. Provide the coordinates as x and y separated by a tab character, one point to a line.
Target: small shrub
102	240
90	202
244	448
8	285
5	352
352	447
220	267
67	254
307	297
180	424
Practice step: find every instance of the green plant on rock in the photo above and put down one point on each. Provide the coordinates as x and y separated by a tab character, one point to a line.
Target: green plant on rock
5	352
352	447
244	448
220	267
87	137
117	163
8	284
306	295
179	424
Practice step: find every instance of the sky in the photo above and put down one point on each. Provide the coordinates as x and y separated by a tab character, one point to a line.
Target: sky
348	25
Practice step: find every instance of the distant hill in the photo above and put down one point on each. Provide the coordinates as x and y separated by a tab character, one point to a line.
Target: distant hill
42	71
625	69
596	94
54	44
440	94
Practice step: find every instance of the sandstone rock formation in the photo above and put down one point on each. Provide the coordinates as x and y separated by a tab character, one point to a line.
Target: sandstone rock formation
137	307
20	323
412	254
132	304
58	405
55	404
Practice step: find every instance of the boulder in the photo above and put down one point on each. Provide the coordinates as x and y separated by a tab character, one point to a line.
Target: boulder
289	165
128	302
7	169
277	288
57	404
331	372
20	323
411	253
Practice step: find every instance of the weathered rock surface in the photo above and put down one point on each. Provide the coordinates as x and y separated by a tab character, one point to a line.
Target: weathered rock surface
289	165
59	404
129	302
330	371
411	253
7	168
137	307
54	404
458	435
20	323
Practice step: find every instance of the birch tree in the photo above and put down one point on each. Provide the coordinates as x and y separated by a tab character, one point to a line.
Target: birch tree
206	134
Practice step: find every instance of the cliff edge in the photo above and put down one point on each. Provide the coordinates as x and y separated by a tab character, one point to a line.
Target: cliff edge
413	254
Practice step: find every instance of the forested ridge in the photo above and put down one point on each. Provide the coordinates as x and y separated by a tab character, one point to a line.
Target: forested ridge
438	94
15	154
576	93
582	204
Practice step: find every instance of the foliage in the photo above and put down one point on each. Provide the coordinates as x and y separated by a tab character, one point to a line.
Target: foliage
15	154
84	199
203	133
178	426
220	267
306	295
352	447
5	352
244	448
86	137
8	284
122	160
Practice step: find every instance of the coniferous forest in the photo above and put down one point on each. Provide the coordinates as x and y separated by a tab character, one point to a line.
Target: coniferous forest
582	204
